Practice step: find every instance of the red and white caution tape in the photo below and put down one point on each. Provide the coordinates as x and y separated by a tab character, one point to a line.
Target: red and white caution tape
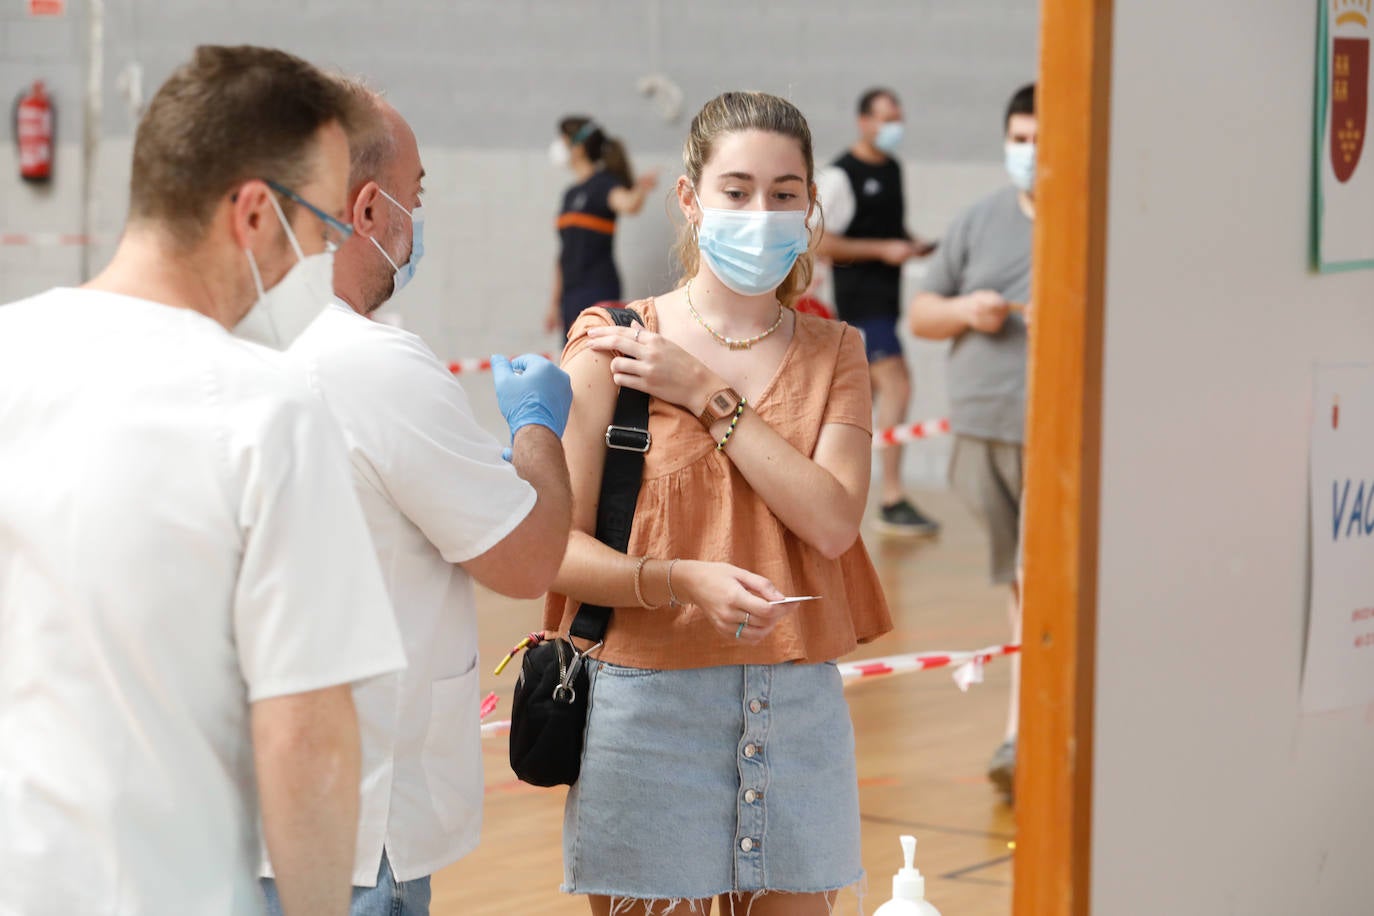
466	366
494	729
463	366
968	670
490	729
899	434
968	665
45	240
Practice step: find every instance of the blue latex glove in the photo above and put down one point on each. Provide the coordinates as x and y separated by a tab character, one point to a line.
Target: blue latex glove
531	391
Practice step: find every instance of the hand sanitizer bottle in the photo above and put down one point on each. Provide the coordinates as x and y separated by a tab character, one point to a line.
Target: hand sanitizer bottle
908	888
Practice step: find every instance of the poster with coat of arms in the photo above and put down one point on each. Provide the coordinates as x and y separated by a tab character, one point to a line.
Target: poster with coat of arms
1343	215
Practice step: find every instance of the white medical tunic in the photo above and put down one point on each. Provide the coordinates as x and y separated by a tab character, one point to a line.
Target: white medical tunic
179	537
436	493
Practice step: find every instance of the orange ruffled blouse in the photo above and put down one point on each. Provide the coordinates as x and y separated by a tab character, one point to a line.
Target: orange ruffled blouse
696	505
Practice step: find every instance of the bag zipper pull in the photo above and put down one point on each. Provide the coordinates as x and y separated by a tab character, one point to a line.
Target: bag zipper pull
529	642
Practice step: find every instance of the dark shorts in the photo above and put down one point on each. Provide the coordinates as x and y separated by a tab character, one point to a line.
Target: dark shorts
880	338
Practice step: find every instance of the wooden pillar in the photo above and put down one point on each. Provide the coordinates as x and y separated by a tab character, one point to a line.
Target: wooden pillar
1055	744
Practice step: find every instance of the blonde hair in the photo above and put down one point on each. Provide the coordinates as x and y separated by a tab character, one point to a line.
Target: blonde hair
732	112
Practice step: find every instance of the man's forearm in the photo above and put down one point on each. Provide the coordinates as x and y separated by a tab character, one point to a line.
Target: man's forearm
306	749
936	317
537	456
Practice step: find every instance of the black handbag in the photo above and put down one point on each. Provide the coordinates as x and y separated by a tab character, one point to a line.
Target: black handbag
549	709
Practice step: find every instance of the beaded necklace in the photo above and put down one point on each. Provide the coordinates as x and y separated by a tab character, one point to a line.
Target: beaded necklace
734	343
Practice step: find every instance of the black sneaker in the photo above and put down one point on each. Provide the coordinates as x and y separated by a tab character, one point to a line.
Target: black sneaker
1002	768
903	518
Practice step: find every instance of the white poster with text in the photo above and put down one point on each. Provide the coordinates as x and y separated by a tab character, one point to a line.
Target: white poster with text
1339	669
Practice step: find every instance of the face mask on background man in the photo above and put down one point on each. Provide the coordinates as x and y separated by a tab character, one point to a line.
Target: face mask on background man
890	136
404	273
1020	163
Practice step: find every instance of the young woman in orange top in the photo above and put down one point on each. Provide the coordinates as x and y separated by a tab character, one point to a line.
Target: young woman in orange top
719	755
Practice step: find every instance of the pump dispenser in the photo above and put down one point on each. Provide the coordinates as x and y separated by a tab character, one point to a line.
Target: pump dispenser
908	888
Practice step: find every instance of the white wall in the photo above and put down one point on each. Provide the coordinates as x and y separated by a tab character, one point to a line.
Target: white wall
40	208
1212	794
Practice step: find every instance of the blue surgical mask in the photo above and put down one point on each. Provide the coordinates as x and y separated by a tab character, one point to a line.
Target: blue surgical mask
1020	162
752	251
889	138
404	273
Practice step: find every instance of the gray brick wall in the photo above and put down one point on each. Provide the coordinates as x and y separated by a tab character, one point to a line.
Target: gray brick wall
497	73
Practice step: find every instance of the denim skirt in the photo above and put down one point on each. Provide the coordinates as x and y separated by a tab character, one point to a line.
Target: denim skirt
708	781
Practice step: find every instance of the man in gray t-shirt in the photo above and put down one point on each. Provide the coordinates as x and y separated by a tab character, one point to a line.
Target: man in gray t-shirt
977	293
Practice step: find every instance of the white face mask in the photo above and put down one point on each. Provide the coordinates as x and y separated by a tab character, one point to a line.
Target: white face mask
1020	163
559	154
283	312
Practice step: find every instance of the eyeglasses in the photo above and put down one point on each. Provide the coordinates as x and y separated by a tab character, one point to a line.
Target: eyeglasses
336	231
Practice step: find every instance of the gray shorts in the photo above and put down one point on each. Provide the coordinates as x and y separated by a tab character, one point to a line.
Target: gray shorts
701	782
987	476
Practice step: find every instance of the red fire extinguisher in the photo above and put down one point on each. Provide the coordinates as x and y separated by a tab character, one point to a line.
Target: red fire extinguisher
33	128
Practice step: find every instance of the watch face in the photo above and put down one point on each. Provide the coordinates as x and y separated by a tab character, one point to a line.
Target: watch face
722	404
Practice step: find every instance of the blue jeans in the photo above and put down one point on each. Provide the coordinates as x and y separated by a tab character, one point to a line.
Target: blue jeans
763	796
388	898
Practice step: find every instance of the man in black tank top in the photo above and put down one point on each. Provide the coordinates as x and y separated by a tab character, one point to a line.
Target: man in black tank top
867	242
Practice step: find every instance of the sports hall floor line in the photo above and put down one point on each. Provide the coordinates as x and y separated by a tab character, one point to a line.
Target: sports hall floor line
918	828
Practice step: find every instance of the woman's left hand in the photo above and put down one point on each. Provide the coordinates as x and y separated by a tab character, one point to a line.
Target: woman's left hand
651	363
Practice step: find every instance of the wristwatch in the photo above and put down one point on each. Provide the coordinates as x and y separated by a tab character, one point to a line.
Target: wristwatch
720	406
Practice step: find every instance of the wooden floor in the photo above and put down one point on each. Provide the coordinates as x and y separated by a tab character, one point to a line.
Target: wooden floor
922	748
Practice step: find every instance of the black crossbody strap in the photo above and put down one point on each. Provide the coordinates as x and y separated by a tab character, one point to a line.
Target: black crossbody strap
627	439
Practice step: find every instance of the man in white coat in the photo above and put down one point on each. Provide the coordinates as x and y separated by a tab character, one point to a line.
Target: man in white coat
444	509
187	585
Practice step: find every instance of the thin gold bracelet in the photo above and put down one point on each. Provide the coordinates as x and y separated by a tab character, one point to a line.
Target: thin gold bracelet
639	595
739	412
672	596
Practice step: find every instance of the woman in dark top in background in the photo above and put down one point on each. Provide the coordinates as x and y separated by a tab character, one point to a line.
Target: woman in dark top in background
606	188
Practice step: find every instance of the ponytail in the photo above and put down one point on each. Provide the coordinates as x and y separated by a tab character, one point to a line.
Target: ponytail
580	130
617	161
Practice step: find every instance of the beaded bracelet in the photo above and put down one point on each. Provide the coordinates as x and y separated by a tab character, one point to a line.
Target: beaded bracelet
739	412
639	595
